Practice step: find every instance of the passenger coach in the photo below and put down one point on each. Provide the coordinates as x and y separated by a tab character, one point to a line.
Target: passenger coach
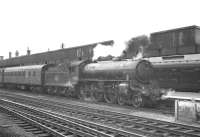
25	76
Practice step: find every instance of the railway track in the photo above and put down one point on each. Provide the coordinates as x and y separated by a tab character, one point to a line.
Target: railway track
162	108
140	125
53	125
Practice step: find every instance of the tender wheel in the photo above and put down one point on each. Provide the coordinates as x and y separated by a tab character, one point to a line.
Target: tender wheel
110	97
137	101
50	90
61	91
86	95
82	95
55	91
98	96
31	89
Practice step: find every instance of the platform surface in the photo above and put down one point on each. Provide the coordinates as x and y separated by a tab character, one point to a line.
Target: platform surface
183	96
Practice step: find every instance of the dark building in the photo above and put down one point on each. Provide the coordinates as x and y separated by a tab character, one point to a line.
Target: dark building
180	41
54	57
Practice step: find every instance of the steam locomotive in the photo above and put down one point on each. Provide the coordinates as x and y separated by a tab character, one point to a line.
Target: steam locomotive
123	82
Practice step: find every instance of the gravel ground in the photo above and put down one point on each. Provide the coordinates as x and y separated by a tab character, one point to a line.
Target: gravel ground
10	129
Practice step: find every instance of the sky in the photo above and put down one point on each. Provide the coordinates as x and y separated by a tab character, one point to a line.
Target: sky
44	24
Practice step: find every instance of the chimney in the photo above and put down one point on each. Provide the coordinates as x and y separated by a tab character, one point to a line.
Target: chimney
28	52
16	53
1	57
62	46
10	55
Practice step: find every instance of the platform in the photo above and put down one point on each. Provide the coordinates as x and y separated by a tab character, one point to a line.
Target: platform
184	95
187	106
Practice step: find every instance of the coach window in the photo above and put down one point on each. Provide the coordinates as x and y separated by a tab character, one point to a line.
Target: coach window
29	73
180	39
34	73
90	51
82	53
78	52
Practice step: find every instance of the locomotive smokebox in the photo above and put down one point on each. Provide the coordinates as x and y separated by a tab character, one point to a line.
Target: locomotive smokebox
144	71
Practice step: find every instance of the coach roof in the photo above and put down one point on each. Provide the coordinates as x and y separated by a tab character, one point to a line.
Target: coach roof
31	67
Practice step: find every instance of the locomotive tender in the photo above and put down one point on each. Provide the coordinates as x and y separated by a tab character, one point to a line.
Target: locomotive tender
122	82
